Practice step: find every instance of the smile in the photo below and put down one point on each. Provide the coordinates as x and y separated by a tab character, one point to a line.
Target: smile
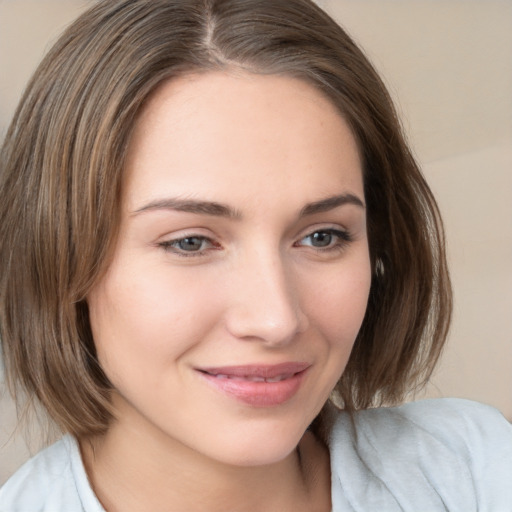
254	378
257	385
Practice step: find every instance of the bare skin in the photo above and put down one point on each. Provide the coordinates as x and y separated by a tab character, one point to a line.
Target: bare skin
236	290
299	483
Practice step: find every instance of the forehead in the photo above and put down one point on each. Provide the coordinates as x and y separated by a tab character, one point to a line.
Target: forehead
226	133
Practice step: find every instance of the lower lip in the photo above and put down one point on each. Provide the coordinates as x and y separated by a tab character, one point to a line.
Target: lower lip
258	394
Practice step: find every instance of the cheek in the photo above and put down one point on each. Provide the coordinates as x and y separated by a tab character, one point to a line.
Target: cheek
141	318
335	310
338	306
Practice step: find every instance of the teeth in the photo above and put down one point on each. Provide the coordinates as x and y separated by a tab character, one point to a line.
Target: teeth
253	378
279	378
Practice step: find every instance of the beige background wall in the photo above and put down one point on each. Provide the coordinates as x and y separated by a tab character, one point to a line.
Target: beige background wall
449	64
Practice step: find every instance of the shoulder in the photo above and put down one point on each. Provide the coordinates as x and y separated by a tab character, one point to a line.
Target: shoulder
448	453
49	482
454	422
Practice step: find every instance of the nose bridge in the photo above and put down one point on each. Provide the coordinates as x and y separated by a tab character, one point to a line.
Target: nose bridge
265	304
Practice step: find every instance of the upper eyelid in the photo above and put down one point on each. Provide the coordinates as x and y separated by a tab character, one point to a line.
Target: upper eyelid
180	234
167	239
170	246
170	241
344	238
344	234
199	232
325	227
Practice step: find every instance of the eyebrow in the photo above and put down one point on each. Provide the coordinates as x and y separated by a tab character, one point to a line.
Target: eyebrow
221	210
191	206
330	203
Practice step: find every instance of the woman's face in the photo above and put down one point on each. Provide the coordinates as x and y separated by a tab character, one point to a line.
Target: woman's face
241	274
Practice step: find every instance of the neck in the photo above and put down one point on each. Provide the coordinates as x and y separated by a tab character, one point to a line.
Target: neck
130	471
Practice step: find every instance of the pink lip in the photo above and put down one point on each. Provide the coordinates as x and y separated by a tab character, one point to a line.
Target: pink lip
257	385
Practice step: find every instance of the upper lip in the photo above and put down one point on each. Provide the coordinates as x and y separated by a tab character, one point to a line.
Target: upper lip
264	371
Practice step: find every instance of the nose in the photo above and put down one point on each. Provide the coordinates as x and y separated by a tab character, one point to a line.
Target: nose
264	301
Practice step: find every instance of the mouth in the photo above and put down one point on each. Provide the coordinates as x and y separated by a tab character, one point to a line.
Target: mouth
251	378
257	385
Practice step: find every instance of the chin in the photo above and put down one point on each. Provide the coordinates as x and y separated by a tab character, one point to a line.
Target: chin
259	446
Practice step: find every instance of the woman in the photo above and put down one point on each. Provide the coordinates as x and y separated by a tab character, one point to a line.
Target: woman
217	255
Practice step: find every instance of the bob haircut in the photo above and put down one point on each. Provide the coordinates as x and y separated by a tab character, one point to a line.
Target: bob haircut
62	171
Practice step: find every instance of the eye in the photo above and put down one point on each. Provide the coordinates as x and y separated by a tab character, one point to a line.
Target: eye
188	245
325	239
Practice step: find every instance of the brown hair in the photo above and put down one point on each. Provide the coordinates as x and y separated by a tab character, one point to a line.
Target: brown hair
61	171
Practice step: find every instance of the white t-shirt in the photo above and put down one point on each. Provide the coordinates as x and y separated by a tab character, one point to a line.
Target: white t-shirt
428	456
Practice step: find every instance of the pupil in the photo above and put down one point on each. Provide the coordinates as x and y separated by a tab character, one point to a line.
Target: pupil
190	244
322	239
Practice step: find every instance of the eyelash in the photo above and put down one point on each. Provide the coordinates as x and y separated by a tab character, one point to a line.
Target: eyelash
172	246
341	240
